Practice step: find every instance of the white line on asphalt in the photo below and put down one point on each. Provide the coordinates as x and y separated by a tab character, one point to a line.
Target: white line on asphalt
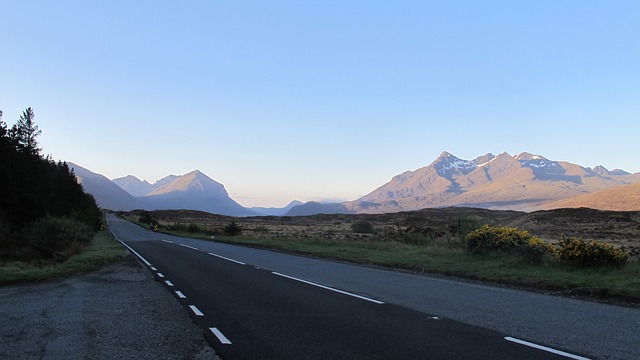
180	295
195	310
167	241
223	339
133	251
329	288
226	258
548	349
160	275
169	283
190	247
154	269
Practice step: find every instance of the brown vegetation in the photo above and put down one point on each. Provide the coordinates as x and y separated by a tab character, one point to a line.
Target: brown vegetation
619	228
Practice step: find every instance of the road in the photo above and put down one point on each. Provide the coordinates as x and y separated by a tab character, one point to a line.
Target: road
257	304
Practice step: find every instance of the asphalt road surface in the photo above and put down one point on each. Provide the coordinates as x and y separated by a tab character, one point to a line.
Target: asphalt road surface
256	304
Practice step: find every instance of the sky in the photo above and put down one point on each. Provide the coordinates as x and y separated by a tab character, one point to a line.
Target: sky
310	100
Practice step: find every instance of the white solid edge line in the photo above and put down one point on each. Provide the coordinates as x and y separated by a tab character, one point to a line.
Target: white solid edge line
329	288
196	310
180	295
226	258
190	247
133	251
223	339
169	283
548	349
167	241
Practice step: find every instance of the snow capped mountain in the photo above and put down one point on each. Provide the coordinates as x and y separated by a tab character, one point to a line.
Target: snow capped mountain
449	166
521	182
536	161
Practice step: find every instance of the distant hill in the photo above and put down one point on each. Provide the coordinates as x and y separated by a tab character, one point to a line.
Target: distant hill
523	182
275	211
107	194
193	191
313	208
619	198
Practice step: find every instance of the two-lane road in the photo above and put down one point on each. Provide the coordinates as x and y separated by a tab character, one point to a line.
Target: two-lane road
256	304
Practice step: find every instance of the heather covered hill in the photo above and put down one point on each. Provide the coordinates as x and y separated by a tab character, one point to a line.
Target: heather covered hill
621	198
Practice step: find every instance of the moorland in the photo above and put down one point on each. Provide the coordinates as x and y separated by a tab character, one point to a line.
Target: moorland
433	241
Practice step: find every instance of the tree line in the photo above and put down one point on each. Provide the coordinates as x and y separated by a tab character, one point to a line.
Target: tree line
44	212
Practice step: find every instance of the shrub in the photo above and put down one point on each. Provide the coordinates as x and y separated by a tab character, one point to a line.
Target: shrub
534	250
577	251
232	229
58	238
146	218
490	239
362	227
193	228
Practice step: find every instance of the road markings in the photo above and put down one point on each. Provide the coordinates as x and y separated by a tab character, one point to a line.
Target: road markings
228	259
196	310
180	295
154	269
133	251
548	349
223	339
167	241
329	288
169	283
160	275
190	247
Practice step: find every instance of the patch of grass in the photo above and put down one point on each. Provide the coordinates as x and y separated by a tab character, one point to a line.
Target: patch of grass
103	250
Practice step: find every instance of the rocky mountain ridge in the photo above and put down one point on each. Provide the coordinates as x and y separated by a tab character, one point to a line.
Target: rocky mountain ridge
521	182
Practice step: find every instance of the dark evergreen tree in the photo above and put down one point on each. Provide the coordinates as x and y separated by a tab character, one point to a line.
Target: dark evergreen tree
25	132
33	187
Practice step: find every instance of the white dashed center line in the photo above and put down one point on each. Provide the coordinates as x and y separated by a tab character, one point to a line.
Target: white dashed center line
196	310
223	339
548	349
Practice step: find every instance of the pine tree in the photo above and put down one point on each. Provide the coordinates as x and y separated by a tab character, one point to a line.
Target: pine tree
25	132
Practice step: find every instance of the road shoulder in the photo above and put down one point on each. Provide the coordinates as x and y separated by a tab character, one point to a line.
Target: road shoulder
119	311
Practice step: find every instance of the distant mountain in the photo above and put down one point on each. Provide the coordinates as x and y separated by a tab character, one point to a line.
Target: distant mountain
133	185
107	194
313	207
275	211
521	182
192	191
619	198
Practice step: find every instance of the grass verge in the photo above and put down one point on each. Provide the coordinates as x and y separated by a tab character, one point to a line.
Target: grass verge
621	285
102	251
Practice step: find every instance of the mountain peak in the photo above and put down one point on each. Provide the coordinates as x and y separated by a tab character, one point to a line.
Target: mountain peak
449	165
525	156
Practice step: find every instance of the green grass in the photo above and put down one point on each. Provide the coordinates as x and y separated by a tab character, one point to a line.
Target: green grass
102	251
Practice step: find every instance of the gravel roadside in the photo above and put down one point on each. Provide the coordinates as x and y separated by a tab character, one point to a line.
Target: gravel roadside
119	312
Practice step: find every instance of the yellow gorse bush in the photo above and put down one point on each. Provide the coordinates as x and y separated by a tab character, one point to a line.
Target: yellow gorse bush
506	240
577	251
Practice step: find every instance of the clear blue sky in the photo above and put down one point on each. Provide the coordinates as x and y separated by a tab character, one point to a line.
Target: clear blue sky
283	100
